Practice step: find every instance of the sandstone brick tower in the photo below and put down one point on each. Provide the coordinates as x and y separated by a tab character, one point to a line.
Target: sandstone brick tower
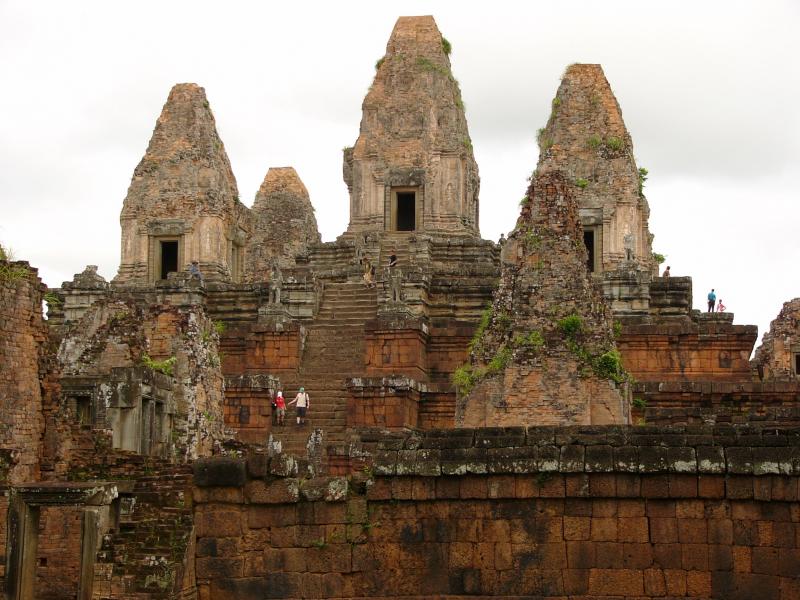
412	166
183	204
587	140
284	224
545	354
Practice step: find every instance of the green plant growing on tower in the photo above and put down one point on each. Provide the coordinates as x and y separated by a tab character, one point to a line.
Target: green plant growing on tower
609	366
594	142
165	366
642	178
532	341
52	299
639	403
570	326
499	361
581	182
379	62
614	143
556	102
447	47
659	258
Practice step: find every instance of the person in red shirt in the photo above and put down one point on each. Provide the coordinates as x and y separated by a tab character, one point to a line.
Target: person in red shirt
280	406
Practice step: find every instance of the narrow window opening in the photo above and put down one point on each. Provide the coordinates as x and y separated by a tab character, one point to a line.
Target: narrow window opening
406	211
588	241
169	258
83	409
797	364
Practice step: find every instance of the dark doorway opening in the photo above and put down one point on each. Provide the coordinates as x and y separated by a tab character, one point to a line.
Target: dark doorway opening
588	241
406	211
797	364
169	258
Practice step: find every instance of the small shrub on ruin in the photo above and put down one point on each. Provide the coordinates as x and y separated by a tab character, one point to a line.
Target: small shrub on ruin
219	327
525	201
617	327
52	299
11	273
581	182
614	143
446	46
532	341
609	366
499	361
165	366
556	102
570	326
639	403
659	258
594	142
642	178
486	319
379	62
545	144
467	143
465	377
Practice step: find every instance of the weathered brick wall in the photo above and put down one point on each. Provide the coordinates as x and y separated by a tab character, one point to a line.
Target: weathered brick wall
616	512
58	556
395	352
712	349
249	413
23	337
260	350
767	404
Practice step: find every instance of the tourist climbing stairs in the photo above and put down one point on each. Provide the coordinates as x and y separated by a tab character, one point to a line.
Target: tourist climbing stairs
334	352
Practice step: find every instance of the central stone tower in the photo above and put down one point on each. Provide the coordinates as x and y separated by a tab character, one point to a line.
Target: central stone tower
412	166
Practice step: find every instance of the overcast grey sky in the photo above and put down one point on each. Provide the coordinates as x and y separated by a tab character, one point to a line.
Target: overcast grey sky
709	91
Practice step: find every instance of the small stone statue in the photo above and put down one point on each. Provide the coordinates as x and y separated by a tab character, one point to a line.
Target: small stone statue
628	241
275	284
396	284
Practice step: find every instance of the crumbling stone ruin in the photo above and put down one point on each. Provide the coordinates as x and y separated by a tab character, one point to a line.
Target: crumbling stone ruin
778	356
544	417
547	353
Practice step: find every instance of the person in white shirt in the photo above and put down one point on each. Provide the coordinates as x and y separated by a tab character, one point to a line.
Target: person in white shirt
303	403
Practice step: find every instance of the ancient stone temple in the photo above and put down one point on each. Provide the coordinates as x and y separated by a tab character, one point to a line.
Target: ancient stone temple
183	204
547	354
543	417
412	167
586	139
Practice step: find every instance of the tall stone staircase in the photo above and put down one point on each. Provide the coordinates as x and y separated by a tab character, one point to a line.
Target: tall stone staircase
334	352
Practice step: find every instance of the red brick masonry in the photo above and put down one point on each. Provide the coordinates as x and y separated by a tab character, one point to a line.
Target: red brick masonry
613	512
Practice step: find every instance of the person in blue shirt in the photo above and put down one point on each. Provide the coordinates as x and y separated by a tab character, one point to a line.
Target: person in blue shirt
712	298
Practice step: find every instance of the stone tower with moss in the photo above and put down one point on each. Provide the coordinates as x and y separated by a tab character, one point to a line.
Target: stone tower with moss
586	139
183	203
545	351
284	225
412	166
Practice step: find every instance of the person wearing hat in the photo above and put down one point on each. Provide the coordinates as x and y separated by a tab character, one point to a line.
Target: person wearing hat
303	403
